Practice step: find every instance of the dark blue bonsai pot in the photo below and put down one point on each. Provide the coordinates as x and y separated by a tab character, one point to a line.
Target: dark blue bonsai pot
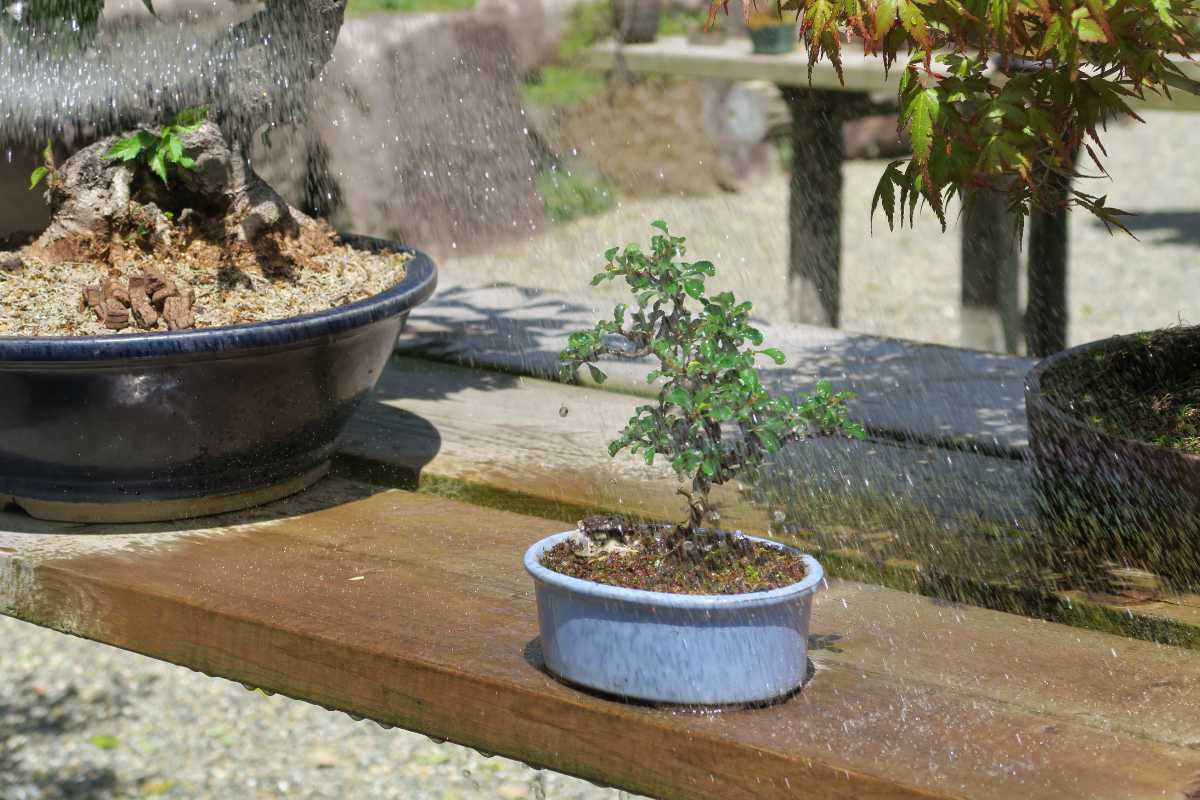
154	426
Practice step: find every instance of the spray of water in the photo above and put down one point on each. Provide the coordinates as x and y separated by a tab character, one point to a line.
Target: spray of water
251	69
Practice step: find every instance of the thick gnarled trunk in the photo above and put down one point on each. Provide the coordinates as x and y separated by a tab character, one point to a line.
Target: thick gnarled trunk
109	211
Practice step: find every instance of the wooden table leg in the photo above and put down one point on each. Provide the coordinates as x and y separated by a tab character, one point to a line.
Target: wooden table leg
991	317
1046	311
815	205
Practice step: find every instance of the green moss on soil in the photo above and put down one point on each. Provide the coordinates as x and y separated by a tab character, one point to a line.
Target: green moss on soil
1115	392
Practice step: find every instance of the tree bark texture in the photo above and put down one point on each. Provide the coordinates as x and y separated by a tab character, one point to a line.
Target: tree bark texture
97	206
815	205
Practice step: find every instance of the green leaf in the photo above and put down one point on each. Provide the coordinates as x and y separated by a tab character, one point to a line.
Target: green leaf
885	193
662	226
680	397
190	119
694	288
1087	28
130	147
187	162
885	17
775	354
48	153
598	376
914	22
1163	7
149	4
36	177
104	742
173	146
921	113
158	164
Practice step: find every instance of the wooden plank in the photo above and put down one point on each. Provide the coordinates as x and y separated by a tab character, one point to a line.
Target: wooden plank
908	390
733	60
950	523
414	611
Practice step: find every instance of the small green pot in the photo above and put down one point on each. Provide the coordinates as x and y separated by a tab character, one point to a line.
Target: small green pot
774	39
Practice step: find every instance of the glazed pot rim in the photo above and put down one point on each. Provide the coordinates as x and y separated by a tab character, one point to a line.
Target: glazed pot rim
415	287
1036	395
697	602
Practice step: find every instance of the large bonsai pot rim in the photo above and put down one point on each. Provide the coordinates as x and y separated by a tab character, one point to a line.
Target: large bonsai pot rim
771	627
1037	398
1105	498
417	285
155	426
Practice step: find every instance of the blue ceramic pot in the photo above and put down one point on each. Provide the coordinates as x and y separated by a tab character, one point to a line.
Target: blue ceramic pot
674	648
150	426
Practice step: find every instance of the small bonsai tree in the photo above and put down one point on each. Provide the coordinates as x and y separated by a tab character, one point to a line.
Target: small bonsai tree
1068	66
713	418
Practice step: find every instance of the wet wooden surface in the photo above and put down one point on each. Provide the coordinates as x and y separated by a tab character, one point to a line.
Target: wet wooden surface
934	511
414	611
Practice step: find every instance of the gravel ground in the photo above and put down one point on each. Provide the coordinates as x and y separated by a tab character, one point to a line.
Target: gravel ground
906	283
84	720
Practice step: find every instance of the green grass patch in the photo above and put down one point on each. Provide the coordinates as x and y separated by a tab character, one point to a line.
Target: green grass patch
363	7
557	86
568	195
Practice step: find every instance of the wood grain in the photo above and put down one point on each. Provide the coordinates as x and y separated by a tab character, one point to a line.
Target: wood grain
414	611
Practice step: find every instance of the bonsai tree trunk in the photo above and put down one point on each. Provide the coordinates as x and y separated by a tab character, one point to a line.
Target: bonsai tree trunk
107	211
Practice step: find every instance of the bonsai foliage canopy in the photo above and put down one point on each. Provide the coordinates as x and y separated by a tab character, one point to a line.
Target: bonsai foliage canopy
706	369
1066	68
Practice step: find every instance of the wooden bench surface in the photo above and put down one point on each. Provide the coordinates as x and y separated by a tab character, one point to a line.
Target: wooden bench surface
414	611
733	60
919	518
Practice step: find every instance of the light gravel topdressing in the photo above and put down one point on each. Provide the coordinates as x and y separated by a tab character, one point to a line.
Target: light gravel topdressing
45	300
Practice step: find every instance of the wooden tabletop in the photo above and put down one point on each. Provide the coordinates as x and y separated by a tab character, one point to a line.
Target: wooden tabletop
733	60
414	611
